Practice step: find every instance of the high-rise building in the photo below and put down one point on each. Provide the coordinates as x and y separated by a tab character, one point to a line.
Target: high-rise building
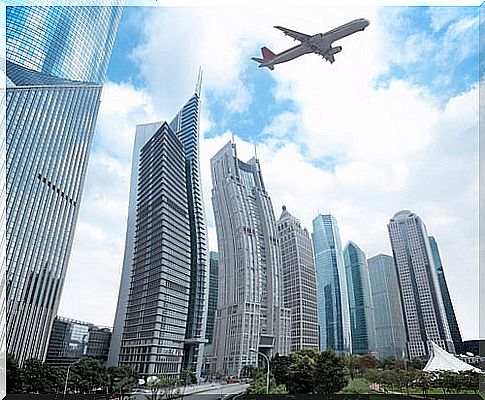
57	59
186	126
299	281
445	294
360	300
424	312
71	340
250	314
332	294
156	270
213	294
207	367
386	299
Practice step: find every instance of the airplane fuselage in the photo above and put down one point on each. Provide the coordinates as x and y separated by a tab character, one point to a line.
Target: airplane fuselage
320	43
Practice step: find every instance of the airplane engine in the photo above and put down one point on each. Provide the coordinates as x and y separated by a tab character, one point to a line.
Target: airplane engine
335	50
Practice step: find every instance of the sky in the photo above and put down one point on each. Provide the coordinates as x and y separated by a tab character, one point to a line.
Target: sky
391	125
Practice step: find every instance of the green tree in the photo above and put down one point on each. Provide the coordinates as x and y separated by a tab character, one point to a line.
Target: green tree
14	375
279	367
331	374
86	376
120	379
417	363
387	363
258	385
34	376
422	381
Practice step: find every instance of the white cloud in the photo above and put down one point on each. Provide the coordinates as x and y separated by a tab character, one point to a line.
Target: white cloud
394	147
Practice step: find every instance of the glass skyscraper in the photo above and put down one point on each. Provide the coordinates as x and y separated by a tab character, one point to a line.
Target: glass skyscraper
424	312
332	295
360	300
386	299
52	102
445	294
299	281
250	313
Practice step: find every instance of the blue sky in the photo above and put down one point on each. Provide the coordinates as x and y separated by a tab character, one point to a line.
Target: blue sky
391	125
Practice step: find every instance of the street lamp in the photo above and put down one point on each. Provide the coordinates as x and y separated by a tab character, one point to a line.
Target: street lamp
67	375
267	365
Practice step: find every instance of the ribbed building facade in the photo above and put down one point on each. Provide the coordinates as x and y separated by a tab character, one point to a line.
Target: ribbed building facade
52	103
445	294
360	300
208	366
158	253
250	312
299	281
423	309
332	294
186	126
386	299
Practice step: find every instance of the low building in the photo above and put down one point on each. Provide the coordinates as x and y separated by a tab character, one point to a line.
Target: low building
73	340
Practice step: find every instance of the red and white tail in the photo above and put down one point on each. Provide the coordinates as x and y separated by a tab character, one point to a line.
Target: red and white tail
267	54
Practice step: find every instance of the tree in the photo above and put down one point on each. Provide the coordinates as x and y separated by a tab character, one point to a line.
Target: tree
330	374
422	381
301	374
34	376
279	367
14	375
86	376
417	363
387	363
258	385
120	380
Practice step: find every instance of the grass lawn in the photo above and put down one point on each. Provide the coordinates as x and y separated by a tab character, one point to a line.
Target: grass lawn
357	385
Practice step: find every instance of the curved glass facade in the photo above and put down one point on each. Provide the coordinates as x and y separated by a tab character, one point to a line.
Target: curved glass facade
68	42
360	301
332	297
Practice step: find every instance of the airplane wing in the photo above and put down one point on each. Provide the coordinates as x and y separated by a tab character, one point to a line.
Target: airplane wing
294	34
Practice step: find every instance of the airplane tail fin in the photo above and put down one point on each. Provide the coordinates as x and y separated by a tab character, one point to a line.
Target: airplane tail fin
267	54
261	62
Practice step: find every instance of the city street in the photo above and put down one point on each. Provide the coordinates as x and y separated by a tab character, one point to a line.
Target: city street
204	392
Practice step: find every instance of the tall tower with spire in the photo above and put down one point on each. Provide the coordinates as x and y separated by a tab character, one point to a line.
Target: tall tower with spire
191	306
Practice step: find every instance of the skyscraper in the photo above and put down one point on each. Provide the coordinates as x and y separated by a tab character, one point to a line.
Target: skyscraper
299	281
332	295
445	294
250	314
185	126
208	364
157	255
360	300
386	298
56	64
424	312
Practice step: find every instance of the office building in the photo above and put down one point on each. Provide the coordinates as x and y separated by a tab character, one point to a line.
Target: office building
250	313
386	299
299	281
332	294
57	59
72	340
360	300
423	309
207	367
445	295
157	254
186	126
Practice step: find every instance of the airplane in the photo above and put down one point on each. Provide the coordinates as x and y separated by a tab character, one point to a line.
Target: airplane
321	44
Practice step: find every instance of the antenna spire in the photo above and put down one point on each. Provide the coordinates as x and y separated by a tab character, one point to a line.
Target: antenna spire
198	86
255	150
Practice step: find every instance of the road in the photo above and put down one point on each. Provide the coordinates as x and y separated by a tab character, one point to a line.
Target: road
204	392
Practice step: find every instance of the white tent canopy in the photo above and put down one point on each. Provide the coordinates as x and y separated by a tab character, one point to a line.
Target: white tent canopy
441	360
